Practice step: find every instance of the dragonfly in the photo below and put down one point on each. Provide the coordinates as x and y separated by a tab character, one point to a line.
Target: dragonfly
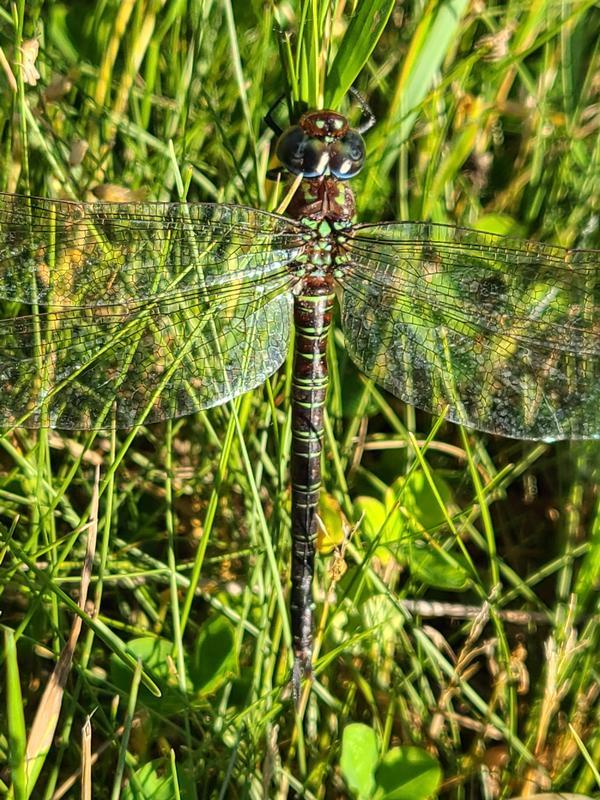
135	312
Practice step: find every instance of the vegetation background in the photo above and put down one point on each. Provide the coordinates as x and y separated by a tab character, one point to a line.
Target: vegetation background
458	651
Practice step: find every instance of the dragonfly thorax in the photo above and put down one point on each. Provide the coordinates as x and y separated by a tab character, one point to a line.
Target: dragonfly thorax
323	253
323	198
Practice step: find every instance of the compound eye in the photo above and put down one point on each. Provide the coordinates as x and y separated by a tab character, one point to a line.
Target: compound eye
347	156
299	153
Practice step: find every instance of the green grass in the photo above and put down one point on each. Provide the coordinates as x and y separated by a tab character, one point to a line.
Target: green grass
454	530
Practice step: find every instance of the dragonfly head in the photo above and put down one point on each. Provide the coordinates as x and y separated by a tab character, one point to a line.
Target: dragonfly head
322	143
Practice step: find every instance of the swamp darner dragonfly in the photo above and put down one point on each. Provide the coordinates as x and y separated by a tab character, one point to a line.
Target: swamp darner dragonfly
137	312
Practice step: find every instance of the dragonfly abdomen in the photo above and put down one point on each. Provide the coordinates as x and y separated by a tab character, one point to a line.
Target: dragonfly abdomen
313	307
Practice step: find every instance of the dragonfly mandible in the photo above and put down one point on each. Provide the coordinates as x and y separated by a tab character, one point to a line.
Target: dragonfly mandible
130	313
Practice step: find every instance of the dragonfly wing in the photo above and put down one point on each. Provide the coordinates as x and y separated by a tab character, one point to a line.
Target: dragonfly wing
502	334
73	368
137	312
80	254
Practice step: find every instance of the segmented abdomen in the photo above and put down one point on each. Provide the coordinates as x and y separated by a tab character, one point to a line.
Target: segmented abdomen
312	318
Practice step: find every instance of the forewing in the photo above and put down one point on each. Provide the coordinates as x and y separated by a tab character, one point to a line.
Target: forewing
502	334
132	312
81	254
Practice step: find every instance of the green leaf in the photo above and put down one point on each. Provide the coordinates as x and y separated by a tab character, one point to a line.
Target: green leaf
374	526
407	773
215	658
373	515
364	30
148	784
437	568
156	656
331	533
359	758
410	508
503	224
413	507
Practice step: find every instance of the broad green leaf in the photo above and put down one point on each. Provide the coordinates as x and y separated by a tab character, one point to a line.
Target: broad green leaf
410	508
156	656
155	781
373	515
215	658
374	525
407	773
331	532
413	507
502	224
359	758
436	568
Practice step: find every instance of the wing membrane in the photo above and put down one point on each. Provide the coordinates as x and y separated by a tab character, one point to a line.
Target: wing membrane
80	254
503	333
141	311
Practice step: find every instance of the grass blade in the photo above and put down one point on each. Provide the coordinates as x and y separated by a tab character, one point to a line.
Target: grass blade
364	30
16	719
135	685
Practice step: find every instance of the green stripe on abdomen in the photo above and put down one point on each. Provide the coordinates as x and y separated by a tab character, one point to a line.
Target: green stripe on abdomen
312	318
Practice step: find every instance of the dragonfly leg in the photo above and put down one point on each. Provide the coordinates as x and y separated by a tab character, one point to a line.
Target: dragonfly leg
270	119
275	173
370	119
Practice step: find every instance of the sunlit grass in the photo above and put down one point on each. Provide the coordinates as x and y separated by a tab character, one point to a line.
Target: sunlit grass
466	623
